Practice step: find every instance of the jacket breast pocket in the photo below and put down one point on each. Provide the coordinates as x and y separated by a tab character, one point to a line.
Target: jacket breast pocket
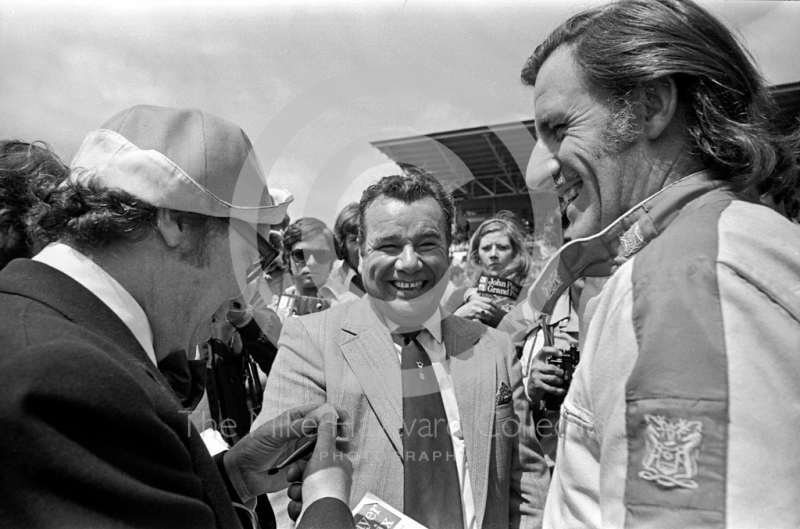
506	429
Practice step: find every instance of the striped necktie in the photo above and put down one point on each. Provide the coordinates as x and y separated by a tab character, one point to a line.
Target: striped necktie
432	495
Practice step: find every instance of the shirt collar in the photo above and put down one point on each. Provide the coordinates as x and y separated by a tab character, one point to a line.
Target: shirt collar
349	277
433	324
331	290
86	272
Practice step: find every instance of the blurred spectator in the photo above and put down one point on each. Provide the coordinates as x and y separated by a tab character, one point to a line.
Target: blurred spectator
309	249
235	351
277	274
545	338
498	254
284	224
345	236
460	228
262	296
20	163
458	274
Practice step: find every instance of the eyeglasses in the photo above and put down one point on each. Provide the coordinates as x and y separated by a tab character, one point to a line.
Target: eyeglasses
268	254
322	257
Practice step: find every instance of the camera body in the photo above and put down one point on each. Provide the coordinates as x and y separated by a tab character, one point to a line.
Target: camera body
567	362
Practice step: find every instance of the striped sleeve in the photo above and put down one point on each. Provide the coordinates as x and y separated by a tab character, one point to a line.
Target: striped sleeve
676	396
712	400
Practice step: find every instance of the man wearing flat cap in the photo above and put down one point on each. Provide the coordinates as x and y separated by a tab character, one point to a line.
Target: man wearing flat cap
158	225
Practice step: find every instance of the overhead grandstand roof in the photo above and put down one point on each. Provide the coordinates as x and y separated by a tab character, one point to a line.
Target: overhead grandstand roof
477	162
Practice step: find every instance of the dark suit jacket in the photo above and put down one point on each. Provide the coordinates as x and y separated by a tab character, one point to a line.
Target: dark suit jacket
90	433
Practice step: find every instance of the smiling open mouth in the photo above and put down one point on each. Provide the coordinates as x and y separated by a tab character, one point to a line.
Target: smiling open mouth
407	285
567	189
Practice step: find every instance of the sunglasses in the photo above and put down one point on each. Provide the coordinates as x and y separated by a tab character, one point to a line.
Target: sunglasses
267	253
322	257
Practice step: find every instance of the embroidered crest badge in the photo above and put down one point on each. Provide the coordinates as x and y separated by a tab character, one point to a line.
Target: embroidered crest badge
632	240
552	284
672	449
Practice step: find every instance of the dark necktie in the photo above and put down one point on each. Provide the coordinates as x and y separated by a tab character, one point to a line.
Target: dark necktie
358	282
431	492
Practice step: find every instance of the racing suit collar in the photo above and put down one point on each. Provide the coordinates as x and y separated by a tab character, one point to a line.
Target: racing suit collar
602	254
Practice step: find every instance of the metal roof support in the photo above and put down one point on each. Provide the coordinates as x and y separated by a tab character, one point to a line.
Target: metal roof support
500	162
479	184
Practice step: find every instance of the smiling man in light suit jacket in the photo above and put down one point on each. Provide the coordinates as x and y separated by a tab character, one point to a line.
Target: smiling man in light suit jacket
440	426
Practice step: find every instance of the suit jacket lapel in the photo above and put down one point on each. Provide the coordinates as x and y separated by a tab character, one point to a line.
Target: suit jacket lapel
474	381
371	355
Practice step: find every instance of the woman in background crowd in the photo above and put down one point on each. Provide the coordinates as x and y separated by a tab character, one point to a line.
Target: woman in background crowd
501	264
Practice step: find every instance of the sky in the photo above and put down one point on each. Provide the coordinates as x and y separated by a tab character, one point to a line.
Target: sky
312	83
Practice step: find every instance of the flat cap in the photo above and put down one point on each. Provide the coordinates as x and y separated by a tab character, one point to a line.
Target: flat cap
182	159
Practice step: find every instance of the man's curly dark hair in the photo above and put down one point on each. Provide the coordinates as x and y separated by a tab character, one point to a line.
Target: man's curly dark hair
91	217
22	163
414	184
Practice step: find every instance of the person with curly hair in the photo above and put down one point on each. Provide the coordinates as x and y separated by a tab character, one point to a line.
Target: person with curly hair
162	219
21	165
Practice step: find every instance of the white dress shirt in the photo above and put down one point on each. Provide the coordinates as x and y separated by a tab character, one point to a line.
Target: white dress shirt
430	338
74	264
